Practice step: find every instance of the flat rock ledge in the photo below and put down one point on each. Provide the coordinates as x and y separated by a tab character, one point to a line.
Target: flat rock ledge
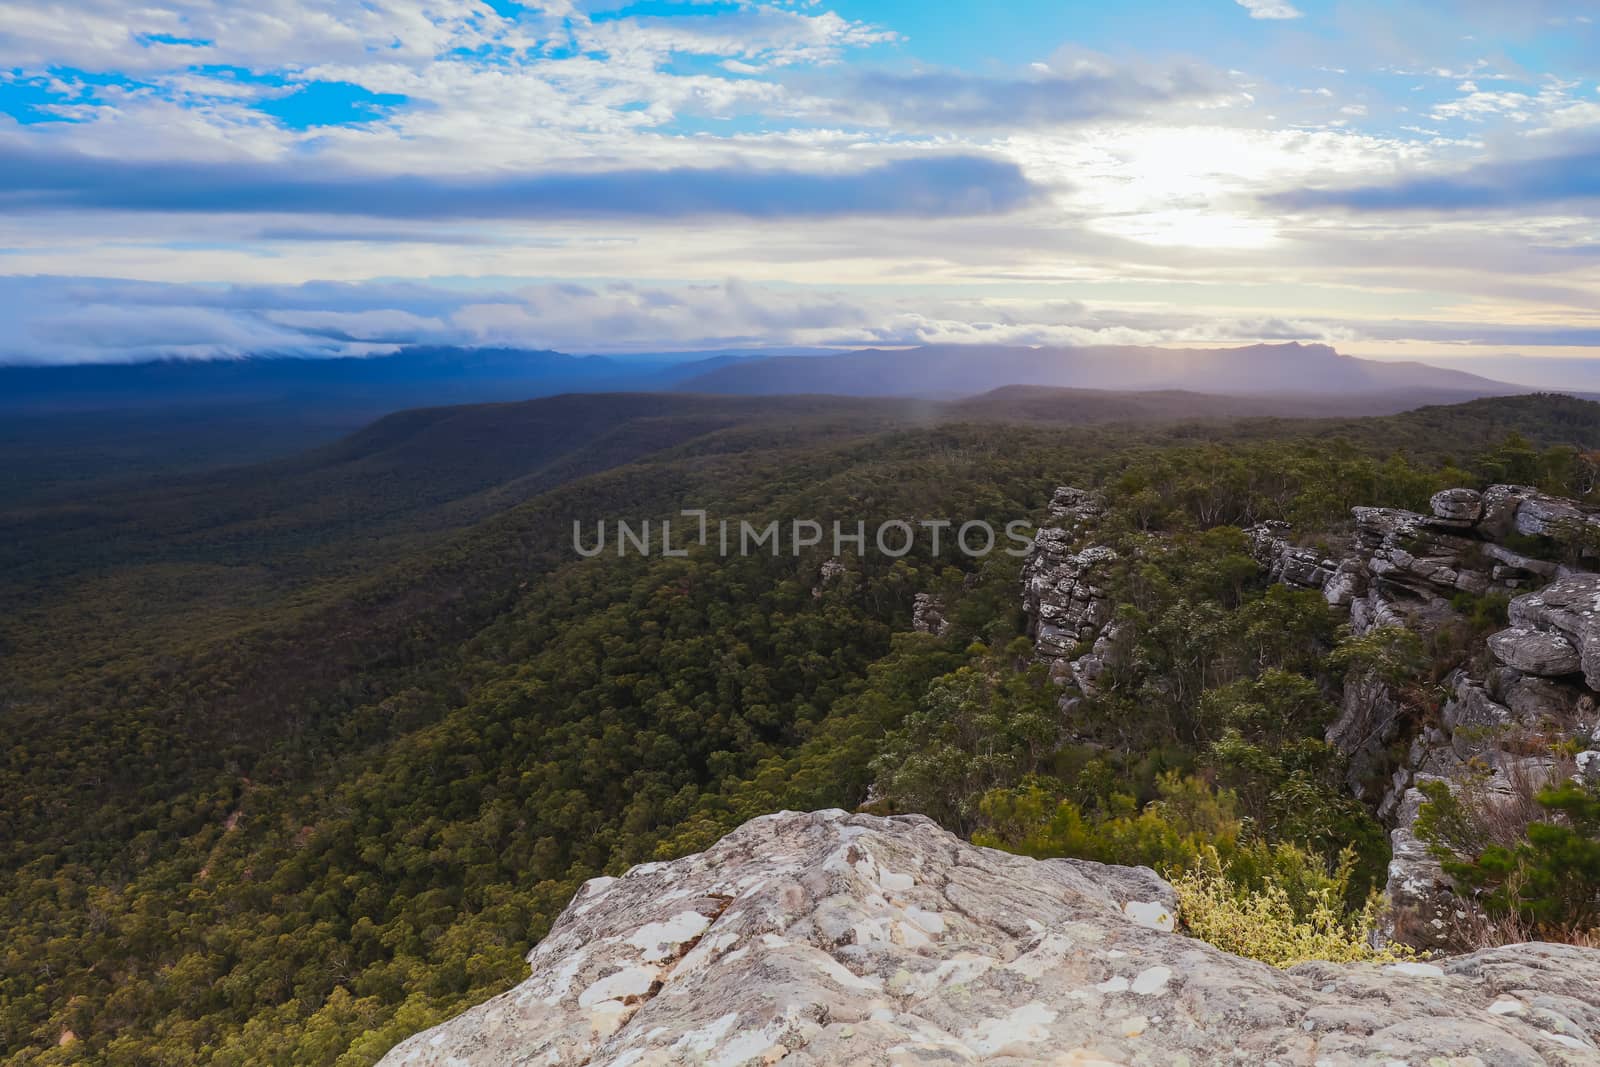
837	939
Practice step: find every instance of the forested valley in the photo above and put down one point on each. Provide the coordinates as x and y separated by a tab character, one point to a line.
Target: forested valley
304	756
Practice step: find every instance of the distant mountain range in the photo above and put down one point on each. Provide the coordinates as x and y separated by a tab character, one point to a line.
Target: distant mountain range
370	386
944	371
1088	407
435	375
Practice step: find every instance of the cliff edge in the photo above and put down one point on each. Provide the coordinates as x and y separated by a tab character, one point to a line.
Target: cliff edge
830	938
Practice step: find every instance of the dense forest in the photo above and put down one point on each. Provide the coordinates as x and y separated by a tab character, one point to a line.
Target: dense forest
304	756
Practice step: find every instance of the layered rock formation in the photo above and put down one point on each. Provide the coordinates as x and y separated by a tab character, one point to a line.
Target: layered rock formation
1064	593
1534	686
835	939
927	615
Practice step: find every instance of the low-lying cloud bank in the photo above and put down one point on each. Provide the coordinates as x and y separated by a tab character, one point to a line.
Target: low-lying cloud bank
55	320
916	187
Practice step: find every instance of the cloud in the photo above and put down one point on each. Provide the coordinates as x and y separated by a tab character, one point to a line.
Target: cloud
1561	179
1270	9
1088	89
89	320
77	320
917	186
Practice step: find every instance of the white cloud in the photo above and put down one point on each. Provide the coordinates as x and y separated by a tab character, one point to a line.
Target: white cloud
77	320
1156	171
1270	9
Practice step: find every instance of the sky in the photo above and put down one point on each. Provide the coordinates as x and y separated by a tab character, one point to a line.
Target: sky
1399	178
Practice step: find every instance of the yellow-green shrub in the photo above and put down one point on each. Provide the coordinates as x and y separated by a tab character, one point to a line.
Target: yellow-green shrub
1267	922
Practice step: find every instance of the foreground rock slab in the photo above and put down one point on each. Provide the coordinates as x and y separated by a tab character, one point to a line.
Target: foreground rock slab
837	939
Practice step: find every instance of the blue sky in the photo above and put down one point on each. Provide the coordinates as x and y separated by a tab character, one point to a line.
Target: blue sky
1413	178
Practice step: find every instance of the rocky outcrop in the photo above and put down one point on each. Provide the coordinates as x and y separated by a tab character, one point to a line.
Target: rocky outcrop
1286	563
1424	909
927	615
1536	683
1537	652
1568	609
1076	511
1064	594
831	939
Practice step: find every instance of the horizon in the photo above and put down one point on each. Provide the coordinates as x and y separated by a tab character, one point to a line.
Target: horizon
1577	377
195	180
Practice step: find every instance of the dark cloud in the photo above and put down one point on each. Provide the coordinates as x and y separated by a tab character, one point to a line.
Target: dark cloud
1556	179
926	186
954	99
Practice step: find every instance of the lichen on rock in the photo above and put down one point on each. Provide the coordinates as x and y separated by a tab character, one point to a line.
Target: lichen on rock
831	938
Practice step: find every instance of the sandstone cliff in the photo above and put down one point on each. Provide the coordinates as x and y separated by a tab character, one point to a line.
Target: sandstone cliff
834	939
1531	690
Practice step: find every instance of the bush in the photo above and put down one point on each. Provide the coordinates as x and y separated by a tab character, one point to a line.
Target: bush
1294	912
1168	834
1550	880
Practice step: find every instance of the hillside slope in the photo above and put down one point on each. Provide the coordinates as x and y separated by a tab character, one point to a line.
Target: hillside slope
304	756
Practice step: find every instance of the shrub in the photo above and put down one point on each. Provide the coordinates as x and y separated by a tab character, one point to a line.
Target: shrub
1293	913
1550	879
1168	834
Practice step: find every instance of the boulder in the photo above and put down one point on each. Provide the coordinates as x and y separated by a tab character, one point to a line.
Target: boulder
1500	506
1534	700
1458	505
1554	517
1570	607
1537	652
1347	582
833	939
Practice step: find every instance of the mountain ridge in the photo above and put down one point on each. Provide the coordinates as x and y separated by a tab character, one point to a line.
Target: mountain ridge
947	371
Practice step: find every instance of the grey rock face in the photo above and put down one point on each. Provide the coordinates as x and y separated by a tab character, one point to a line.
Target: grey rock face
1525	510
1538	652
1411	553
1108	650
1569	607
834	939
1370	718
1500	504
1553	517
1588	765
1286	563
1347	583
1515	564
1422	901
1458	505
1534	700
1474	720
1076	510
927	615
1063	593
